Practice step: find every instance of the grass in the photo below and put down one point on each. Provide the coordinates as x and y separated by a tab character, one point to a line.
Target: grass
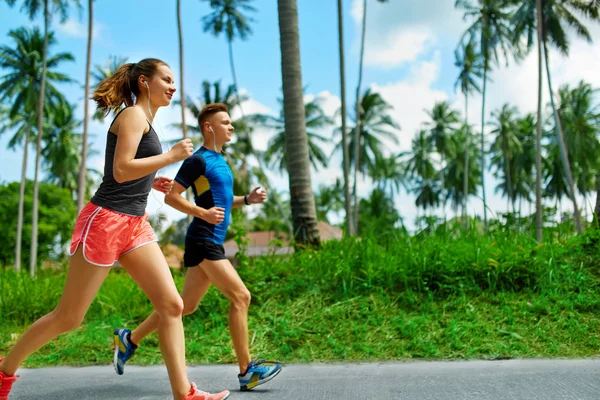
380	298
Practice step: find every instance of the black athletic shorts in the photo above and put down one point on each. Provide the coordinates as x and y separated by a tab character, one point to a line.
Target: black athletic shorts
197	250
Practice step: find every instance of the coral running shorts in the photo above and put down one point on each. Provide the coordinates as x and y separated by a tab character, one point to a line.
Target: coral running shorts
106	235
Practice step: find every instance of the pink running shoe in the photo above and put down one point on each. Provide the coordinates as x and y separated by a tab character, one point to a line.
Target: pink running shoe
6	383
196	394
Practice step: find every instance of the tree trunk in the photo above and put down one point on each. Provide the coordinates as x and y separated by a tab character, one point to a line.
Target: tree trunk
298	164
485	70
468	145
564	154
40	133
21	204
597	207
86	113
347	198
357	131
507	171
538	135
188	192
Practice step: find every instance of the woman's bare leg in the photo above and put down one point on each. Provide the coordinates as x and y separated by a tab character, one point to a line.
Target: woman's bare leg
195	287
148	267
82	284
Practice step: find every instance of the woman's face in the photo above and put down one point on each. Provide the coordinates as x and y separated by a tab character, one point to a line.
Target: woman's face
161	87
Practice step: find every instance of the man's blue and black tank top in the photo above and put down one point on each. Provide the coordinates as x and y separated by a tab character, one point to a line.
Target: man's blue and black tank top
210	177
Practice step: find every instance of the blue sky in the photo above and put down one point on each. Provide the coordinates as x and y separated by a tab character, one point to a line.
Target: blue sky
409	59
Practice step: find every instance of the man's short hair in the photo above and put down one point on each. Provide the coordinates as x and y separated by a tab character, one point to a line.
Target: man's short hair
209	110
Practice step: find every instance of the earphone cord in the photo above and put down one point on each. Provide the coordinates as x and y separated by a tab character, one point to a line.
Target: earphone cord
168	149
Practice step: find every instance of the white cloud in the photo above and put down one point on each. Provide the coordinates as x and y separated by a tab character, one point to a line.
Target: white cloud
79	30
398	32
411	98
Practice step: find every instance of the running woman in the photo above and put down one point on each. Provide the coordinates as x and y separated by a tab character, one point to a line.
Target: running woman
210	177
113	226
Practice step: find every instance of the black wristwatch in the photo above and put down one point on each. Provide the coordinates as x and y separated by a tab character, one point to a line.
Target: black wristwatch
246	200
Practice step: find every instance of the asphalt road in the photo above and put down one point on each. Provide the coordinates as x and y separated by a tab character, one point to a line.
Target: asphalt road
489	380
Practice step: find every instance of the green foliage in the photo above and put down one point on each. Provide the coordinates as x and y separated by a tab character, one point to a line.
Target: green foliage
438	295
57	217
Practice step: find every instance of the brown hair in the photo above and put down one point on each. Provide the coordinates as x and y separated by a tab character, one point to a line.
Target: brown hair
120	87
209	110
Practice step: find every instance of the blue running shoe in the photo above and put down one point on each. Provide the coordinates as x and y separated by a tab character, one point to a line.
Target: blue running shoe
257	373
124	349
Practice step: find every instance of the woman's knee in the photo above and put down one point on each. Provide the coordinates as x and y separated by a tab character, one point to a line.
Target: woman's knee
189	307
170	308
66	321
241	299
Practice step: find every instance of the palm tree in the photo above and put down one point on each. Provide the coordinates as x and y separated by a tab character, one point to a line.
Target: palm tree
102	72
506	149
443	123
228	17
32	7
580	119
329	199
470	66
359	112
21	87
304	214
22	125
375	127
61	151
316	119
389	172
491	26
456	174
420	163
81	190
345	155
525	182
549	17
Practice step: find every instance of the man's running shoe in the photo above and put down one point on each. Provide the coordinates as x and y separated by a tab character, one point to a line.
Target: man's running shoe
257	373
124	349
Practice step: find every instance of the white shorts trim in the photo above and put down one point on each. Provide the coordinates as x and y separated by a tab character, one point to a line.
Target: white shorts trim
88	223
138	246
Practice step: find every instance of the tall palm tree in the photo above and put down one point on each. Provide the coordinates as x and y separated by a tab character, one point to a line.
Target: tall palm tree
345	155
182	87
304	214
48	7
21	87
376	126
316	119
359	103
470	66
228	17
550	18
101	72
81	190
491	26
444	122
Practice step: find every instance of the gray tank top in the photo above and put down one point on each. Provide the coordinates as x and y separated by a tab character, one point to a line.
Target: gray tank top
128	197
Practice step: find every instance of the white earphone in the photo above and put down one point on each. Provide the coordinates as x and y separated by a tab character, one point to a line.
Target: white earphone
214	138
